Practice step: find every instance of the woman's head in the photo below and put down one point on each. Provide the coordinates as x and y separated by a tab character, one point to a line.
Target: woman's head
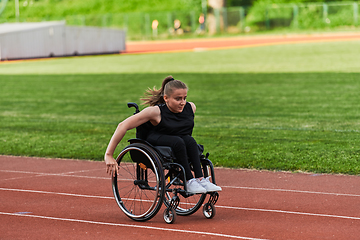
168	86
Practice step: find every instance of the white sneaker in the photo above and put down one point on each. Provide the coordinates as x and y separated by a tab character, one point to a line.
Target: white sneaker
193	186
209	186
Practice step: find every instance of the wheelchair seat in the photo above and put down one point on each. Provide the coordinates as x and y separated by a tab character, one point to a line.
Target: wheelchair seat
166	153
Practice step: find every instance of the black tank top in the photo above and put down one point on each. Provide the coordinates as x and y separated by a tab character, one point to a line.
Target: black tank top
178	124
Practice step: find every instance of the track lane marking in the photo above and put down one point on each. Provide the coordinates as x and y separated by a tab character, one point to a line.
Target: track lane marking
130	225
218	206
290	212
68	174
234	187
55	193
64	173
294	191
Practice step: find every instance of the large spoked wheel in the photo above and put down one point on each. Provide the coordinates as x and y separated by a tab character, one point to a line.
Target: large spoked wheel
139	187
189	203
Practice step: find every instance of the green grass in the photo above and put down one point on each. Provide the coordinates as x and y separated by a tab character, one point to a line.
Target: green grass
303	58
290	107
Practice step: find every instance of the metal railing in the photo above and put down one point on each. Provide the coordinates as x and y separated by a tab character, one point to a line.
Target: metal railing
2	5
234	20
140	25
311	15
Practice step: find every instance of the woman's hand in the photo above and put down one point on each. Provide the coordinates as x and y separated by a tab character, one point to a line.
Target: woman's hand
112	167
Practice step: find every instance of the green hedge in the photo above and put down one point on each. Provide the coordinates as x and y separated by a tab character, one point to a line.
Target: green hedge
62	8
270	14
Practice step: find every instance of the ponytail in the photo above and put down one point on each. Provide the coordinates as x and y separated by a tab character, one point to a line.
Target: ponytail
156	96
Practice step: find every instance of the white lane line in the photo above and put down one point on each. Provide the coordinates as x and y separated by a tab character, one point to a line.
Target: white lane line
65	173
16	178
55	193
130	225
233	187
290	212
53	174
217	206
294	191
71	194
83	171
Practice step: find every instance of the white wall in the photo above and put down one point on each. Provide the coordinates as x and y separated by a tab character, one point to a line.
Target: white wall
33	40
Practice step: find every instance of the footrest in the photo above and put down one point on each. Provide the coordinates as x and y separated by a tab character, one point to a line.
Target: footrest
214	196
169	212
174	203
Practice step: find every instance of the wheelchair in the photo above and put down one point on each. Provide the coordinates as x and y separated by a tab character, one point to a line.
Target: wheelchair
149	176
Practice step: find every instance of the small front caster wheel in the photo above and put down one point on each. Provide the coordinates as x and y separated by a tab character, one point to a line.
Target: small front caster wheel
169	215
209	210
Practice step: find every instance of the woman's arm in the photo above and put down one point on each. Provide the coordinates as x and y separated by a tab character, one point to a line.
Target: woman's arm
148	114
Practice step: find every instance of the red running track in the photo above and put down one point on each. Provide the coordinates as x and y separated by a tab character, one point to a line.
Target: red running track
72	199
233	42
187	45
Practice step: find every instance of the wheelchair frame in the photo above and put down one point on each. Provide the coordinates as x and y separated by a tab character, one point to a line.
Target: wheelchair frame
149	176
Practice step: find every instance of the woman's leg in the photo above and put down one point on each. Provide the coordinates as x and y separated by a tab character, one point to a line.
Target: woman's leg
194	158
193	154
178	147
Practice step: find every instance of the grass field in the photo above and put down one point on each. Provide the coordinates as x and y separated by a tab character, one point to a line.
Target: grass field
287	107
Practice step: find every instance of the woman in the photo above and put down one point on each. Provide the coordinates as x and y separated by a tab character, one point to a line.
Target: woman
172	118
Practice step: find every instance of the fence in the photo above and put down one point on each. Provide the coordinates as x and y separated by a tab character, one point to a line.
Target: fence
139	25
167	24
234	20
2	5
311	15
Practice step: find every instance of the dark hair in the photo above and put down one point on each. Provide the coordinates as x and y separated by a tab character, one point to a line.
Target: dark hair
156	96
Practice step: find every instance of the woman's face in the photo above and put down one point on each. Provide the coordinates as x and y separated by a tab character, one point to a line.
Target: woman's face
177	100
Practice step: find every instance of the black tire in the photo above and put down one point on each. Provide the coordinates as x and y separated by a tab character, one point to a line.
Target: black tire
169	215
139	188
209	210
